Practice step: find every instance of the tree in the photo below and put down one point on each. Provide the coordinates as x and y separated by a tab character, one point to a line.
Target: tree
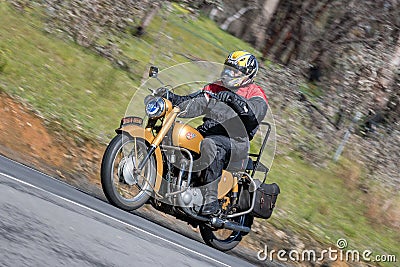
148	17
261	22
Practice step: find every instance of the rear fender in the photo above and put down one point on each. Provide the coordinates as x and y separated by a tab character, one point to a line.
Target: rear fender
137	131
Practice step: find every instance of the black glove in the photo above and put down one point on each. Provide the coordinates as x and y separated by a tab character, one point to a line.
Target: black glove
226	96
236	102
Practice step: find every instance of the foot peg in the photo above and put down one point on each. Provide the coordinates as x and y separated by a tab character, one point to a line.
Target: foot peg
210	208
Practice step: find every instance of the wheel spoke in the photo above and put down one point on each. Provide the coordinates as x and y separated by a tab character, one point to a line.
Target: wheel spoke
133	152
136	156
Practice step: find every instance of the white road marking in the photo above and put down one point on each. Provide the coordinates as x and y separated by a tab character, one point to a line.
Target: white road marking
114	219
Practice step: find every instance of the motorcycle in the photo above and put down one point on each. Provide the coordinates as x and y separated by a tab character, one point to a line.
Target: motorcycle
153	162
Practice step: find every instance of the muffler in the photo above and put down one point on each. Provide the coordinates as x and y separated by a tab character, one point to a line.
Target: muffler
221	223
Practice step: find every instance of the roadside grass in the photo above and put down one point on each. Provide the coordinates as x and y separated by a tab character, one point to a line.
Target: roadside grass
172	39
67	84
321	202
80	91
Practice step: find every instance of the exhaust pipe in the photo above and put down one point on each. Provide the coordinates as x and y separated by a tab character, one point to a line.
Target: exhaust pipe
221	223
215	222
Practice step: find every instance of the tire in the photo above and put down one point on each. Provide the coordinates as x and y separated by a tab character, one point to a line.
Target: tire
212	239
116	190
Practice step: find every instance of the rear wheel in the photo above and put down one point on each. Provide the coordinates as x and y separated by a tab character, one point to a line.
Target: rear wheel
122	186
224	239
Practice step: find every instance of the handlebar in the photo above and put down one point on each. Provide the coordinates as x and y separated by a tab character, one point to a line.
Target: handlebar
153	92
167	90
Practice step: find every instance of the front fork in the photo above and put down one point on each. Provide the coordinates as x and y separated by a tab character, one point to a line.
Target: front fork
167	124
150	152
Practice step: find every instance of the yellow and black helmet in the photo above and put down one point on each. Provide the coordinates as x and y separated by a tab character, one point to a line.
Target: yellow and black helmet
240	69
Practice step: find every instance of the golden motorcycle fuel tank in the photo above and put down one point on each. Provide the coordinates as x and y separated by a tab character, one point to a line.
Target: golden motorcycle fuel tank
187	137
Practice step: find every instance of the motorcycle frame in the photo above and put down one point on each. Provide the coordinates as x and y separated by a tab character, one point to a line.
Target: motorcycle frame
156	148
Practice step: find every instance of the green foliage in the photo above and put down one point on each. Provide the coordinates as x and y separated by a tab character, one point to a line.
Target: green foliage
311	90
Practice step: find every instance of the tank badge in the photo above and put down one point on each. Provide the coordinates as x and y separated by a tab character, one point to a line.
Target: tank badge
190	136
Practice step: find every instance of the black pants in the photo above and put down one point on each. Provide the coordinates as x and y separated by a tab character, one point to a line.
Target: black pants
218	151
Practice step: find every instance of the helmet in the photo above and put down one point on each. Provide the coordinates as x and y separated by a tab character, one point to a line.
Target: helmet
240	68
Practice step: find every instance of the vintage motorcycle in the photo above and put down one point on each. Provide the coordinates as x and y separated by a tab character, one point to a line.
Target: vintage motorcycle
152	162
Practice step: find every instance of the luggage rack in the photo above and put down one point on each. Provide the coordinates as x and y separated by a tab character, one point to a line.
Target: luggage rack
256	164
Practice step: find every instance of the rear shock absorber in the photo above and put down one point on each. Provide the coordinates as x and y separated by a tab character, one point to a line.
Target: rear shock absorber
235	193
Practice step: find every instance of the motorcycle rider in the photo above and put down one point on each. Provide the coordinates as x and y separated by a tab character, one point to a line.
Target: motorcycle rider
233	107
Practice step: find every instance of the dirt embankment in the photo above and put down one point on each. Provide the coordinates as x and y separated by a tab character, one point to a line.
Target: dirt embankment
25	138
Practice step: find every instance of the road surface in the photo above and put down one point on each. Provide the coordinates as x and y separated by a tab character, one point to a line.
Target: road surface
45	222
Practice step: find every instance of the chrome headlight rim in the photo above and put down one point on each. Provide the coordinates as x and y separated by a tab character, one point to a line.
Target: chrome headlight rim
155	108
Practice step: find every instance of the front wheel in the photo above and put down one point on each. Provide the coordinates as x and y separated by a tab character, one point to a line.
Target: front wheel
224	239
122	185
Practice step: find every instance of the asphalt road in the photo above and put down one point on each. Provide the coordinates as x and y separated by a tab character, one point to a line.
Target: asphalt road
45	222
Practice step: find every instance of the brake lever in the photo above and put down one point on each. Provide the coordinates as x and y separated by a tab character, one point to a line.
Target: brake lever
152	91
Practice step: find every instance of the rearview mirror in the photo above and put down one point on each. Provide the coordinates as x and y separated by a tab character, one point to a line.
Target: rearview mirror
153	72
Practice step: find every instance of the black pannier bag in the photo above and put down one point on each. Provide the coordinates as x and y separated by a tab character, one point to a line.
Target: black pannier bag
266	195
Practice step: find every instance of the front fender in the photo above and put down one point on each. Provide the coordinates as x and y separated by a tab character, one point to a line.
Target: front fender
137	131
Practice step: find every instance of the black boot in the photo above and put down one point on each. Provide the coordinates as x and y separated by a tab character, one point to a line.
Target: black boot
211	205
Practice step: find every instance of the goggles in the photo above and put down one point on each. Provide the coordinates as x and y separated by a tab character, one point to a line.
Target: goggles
232	72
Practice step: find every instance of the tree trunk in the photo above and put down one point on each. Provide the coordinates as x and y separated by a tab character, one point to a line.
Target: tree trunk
148	17
395	62
276	26
387	77
260	24
286	34
213	13
224	26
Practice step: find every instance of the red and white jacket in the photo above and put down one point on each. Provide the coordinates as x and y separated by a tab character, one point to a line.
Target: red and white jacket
220	118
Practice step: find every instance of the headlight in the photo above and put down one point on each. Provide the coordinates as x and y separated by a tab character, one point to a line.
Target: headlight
155	108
